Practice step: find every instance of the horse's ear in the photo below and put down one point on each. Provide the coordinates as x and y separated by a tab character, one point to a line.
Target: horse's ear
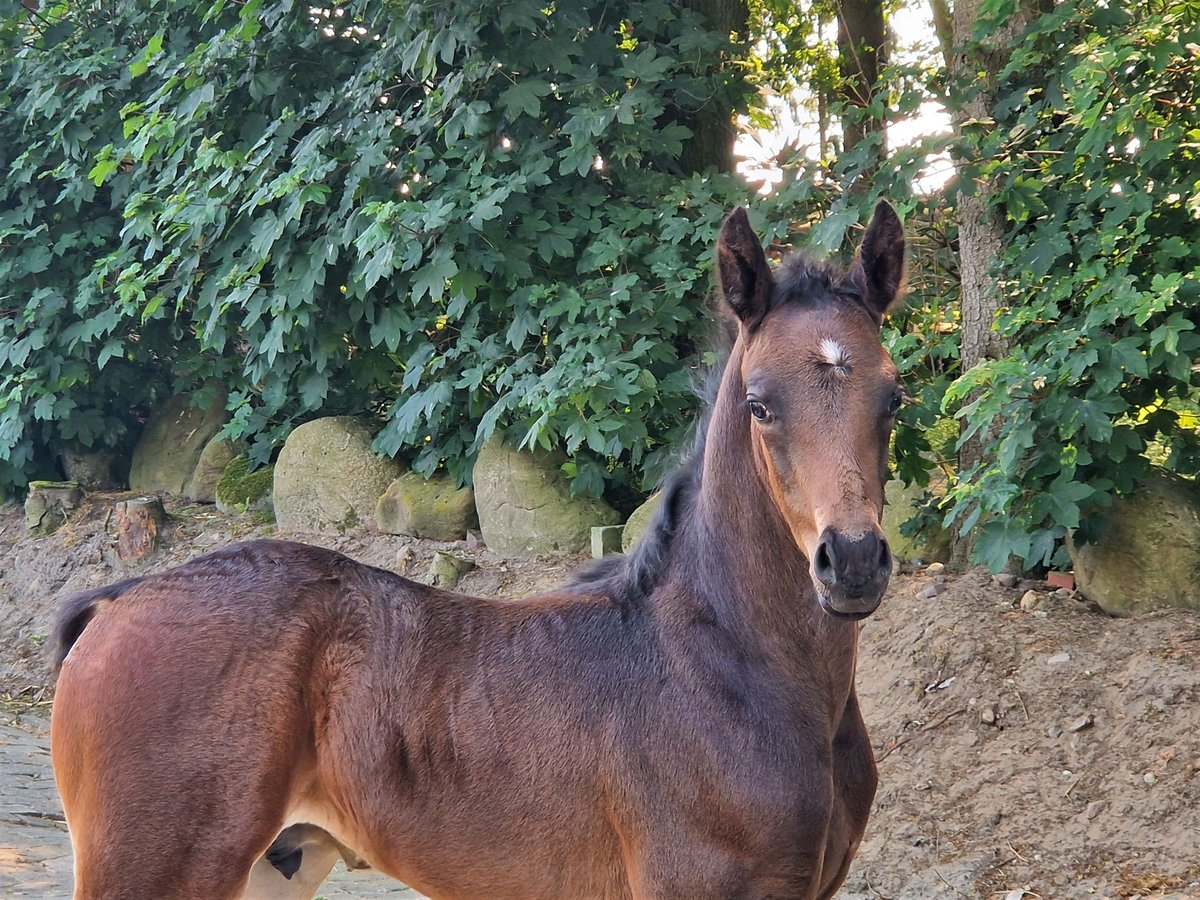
742	270
878	270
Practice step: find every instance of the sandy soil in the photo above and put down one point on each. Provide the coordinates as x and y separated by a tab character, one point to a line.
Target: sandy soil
1041	753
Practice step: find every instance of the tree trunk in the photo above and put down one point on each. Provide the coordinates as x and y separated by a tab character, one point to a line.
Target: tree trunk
862	54
973	71
138	524
712	125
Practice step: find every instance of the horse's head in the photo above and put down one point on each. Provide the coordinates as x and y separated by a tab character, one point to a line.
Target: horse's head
821	397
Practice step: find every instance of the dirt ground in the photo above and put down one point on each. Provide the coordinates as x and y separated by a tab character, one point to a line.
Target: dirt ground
1023	752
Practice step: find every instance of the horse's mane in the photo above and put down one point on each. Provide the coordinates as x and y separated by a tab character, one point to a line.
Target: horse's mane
798	279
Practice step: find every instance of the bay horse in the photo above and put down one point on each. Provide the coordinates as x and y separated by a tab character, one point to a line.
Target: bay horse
681	722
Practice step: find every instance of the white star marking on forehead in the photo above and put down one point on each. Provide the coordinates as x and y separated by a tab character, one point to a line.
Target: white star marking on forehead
834	353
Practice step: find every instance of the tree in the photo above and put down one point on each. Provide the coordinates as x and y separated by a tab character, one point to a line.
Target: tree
862	57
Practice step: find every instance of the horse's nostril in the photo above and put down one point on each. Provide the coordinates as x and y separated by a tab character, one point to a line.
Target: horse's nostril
823	564
885	556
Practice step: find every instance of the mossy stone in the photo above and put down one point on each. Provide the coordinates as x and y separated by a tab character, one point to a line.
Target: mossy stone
239	490
638	520
327	477
214	459
525	505
434	508
175	435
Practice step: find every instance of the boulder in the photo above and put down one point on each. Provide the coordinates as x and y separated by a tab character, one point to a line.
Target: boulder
216	455
900	502
637	522
328	478
1149	556
93	470
434	508
525	506
175	435
239	490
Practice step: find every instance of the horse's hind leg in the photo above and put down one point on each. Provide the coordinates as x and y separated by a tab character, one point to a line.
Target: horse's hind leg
141	830
167	794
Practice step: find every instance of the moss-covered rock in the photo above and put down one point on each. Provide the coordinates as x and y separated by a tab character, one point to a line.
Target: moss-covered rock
239	490
328	478
175	435
432	508
214	459
1149	556
638	520
525	505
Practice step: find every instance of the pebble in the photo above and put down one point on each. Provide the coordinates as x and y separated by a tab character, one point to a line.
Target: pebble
935	568
1030	601
1095	808
917	563
932	591
995	817
1064	594
1149	778
1058	659
1054	732
1080	724
988	715
1006	579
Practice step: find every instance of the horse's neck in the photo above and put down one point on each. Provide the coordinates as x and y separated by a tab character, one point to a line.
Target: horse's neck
739	558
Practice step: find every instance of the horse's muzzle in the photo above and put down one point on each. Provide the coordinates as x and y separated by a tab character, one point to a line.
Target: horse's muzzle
851	575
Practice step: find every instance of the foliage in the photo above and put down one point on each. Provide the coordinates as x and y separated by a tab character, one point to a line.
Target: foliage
467	217
1094	150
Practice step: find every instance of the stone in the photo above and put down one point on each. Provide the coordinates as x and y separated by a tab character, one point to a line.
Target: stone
175	435
1149	554
433	508
900	502
216	455
1006	580
1095	808
327	478
1030	601
49	503
987	715
240	490
92	470
932	591
637	522
1080	724
525	506
935	568
606	539
446	570
1059	659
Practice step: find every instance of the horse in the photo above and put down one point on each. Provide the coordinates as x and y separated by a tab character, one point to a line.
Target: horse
678	722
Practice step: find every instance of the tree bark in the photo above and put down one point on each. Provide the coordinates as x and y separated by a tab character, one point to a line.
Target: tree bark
713	128
974	68
862	55
139	522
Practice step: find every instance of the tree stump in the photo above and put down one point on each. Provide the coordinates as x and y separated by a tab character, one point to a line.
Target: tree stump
49	503
139	522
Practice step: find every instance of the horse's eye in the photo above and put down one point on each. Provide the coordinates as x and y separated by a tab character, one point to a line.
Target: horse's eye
898	400
759	411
